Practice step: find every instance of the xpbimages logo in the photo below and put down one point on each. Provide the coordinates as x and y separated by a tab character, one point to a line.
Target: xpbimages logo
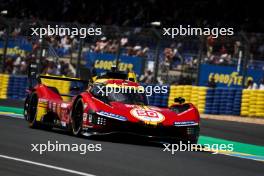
189	147
60	147
62	31
197	31
124	89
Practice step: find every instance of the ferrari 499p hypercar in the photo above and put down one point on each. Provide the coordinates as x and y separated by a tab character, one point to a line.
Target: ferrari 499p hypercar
94	112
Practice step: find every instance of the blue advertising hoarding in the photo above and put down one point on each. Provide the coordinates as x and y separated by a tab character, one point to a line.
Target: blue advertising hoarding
227	76
15	47
103	62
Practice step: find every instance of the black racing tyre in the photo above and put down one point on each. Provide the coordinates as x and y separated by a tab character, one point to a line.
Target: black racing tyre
77	117
32	110
26	105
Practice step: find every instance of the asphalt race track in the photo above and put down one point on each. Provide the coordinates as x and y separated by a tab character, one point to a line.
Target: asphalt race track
122	157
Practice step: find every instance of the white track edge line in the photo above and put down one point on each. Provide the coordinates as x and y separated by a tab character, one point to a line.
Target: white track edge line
47	166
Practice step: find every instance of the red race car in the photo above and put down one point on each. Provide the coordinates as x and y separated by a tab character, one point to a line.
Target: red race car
95	111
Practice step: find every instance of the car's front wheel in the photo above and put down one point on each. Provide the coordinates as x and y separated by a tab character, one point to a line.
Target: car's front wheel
32	110
77	116
26	106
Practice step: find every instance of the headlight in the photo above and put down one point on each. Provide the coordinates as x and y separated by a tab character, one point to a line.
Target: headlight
112	116
96	119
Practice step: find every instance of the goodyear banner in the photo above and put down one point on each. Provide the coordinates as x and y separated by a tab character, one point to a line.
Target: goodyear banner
103	62
227	76
16	47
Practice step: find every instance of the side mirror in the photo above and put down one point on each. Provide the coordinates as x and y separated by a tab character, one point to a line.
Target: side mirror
179	100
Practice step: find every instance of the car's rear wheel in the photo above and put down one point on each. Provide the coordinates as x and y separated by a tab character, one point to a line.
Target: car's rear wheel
32	110
77	117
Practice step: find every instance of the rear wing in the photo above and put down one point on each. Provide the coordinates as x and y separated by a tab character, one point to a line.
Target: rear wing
65	86
35	78
62	78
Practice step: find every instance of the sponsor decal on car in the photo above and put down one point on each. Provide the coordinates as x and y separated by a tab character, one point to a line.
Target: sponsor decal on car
64	105
43	100
84	117
129	106
185	123
147	115
111	115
